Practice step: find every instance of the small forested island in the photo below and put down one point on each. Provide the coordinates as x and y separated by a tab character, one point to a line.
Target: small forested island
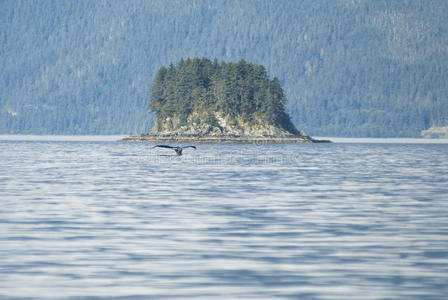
203	100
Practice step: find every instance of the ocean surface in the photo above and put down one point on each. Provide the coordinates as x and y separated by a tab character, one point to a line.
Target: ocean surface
94	218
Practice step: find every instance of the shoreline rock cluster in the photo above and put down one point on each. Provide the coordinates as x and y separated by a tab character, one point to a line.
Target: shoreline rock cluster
215	124
214	127
221	139
435	132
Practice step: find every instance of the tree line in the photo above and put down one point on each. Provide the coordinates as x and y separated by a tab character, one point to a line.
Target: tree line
349	68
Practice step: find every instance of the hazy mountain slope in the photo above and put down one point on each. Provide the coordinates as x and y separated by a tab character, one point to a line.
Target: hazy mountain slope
349	68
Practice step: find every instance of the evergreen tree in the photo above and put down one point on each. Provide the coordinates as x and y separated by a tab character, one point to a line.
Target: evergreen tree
239	89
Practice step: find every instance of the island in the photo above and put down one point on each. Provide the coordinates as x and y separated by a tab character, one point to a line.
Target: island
199	100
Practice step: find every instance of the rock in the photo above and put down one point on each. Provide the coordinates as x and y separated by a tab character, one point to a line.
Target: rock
435	133
215	124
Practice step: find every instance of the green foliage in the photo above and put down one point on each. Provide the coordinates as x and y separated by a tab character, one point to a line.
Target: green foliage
239	89
211	120
232	122
349	68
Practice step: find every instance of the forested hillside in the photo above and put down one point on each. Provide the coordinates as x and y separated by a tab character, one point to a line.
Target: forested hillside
348	67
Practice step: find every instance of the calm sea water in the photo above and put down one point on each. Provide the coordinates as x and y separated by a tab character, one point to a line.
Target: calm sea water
92	218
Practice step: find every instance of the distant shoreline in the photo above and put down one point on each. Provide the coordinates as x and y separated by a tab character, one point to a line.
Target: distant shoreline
121	137
261	140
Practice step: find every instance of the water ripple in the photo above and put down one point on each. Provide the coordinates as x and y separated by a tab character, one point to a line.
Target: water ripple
109	220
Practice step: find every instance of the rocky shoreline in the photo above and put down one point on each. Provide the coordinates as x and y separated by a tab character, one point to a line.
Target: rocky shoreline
222	139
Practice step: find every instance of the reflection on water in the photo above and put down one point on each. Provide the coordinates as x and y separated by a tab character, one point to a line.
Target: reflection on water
104	219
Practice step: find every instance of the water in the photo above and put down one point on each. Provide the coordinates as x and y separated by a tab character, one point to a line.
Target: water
87	218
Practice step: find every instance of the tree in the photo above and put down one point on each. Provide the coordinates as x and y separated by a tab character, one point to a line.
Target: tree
240	90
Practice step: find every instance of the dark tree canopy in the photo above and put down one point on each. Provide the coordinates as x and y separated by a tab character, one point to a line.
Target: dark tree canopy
240	90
